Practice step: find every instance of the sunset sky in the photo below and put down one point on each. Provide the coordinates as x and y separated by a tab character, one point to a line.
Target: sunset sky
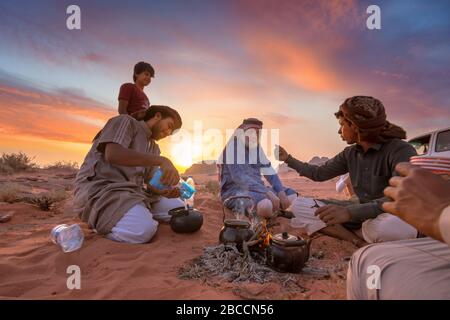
289	63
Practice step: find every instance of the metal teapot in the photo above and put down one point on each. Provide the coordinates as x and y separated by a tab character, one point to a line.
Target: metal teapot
235	232
185	220
287	253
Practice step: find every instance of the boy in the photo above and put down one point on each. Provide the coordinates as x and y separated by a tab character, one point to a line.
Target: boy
377	146
131	95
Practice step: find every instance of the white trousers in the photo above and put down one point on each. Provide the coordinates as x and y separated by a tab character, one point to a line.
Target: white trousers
385	227
400	270
139	224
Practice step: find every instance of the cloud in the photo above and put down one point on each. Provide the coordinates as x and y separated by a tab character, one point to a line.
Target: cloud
304	20
56	115
390	74
297	64
283	62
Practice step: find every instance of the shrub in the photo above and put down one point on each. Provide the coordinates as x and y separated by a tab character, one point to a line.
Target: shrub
14	162
66	165
212	186
46	200
10	192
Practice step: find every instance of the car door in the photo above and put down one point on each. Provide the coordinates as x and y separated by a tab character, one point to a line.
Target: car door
442	145
422	144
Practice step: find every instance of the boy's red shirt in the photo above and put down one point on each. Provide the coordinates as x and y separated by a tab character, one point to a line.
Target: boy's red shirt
137	99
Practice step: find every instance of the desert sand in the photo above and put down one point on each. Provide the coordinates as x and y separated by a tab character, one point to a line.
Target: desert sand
32	267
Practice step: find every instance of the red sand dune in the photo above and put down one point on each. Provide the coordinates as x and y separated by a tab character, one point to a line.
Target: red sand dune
32	267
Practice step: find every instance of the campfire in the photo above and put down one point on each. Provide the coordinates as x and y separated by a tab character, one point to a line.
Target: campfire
261	227
250	251
262	235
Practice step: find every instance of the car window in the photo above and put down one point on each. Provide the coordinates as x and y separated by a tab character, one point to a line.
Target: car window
443	141
422	144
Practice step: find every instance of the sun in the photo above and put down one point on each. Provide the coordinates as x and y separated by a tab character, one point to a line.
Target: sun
185	155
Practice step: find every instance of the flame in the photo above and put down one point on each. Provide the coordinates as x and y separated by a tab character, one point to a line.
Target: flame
267	239
265	234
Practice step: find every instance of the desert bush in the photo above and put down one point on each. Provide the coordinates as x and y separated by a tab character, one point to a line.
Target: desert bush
212	186
14	162
65	165
10	192
46	200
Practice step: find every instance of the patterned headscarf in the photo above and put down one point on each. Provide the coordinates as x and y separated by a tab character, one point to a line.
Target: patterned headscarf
368	115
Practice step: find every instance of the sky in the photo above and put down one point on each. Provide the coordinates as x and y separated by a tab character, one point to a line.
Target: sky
290	63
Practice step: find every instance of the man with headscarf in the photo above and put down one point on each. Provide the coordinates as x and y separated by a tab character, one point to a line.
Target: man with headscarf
241	167
376	147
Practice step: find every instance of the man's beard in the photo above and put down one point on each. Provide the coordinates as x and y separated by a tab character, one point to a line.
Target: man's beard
156	133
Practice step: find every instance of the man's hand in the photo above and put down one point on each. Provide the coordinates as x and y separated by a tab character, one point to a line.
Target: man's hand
168	193
419	197
333	214
281	153
275	201
284	200
170	175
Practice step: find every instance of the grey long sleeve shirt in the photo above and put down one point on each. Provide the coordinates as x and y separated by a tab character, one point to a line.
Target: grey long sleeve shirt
369	171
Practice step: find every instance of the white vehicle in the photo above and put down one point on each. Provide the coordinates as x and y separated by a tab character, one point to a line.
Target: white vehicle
433	144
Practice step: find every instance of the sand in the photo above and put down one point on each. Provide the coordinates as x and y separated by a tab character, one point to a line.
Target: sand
32	267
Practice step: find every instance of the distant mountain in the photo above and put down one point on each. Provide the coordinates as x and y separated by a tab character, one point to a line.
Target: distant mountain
318	161
202	168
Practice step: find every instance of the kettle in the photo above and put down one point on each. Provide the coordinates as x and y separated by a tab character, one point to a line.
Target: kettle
287	253
184	220
235	231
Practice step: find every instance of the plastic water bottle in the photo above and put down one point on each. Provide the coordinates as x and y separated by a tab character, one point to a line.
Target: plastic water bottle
190	181
186	190
155	181
190	201
69	238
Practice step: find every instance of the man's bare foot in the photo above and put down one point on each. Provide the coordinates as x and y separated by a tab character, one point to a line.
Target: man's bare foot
341	233
360	242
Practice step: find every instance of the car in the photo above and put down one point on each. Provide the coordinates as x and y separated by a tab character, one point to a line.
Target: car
433	144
